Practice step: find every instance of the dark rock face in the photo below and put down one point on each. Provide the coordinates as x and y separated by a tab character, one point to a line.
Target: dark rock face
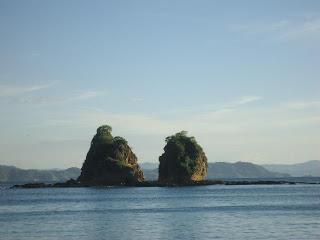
110	161
183	160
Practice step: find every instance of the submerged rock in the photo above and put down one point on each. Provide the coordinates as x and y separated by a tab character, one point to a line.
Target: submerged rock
183	160
110	161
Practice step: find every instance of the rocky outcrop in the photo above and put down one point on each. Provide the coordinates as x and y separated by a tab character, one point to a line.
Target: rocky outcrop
183	160
110	161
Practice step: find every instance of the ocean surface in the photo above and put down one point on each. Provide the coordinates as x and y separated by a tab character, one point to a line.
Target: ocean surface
202	212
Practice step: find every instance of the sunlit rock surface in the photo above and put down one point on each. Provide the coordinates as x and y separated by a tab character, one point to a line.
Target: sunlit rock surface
183	160
110	161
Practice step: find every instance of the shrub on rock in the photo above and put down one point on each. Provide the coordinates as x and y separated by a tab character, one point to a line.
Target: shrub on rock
183	160
110	161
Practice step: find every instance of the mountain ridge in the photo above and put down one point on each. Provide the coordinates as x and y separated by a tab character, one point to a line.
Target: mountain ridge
15	174
308	168
219	170
216	170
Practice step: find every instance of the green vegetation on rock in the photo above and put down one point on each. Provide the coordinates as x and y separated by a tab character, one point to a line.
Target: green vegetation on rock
110	161
183	160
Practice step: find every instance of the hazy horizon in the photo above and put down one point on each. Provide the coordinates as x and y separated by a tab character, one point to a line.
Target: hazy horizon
140	163
242	77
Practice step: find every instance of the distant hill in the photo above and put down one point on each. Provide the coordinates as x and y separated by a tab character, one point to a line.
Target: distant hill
223	170
149	165
150	174
310	168
217	170
14	174
240	170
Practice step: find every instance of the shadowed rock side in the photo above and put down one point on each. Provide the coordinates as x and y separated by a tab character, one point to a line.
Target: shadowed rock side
183	160
110	161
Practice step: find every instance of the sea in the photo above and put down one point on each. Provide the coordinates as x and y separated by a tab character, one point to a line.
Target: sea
202	212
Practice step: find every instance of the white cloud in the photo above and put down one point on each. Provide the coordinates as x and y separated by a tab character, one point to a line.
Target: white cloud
281	30
259	27
7	90
304	29
218	107
84	95
57	99
137	99
299	105
247	99
133	123
219	119
300	121
31	94
229	106
228	119
259	134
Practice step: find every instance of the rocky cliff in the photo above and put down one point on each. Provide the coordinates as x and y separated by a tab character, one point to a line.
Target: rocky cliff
183	160
110	161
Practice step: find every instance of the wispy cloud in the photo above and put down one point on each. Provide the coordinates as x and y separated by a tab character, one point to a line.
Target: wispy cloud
55	99
7	90
247	99
259	27
304	29
241	133
281	30
299	105
205	120
256	122
137	99
218	107
137	123
33	94
221	107
84	95
301	121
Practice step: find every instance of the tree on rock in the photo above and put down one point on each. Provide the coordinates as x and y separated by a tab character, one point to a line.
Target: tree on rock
183	160
110	161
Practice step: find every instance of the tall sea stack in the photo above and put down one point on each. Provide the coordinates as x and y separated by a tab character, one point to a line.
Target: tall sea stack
183	160
110	161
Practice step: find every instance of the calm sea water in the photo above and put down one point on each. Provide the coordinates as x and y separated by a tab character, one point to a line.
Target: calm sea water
206	212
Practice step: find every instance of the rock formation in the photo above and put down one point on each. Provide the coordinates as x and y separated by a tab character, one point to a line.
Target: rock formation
110	161
183	160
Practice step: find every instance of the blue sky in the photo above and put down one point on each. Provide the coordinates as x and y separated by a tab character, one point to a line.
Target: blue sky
240	76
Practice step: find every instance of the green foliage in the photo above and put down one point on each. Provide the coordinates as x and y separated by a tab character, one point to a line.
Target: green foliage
180	157
103	136
120	164
182	134
104	129
119	141
109	160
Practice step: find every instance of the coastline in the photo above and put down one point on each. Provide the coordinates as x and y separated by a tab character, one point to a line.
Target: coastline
74	184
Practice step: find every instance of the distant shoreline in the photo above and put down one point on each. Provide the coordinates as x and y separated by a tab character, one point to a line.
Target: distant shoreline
74	184
216	171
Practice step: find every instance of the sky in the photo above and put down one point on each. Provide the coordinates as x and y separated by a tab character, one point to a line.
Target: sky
243	77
